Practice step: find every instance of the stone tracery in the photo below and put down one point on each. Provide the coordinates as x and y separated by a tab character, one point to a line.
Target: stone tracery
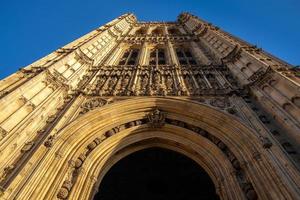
129	70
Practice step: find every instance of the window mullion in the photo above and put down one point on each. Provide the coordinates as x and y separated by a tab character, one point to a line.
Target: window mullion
128	56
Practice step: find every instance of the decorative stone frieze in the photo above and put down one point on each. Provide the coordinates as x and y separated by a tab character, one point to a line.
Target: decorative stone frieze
186	85
258	75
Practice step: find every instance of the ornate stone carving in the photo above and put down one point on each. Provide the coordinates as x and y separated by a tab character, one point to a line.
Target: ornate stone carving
124	84
79	161
64	50
49	142
64	190
233	55
200	75
68	98
266	142
92	104
143	83
3	133
115	130
3	93
31	105
27	146
156	118
158	81
156	86
32	71
258	75
55	80
51	118
23	99
169	85
110	31
79	55
249	191
93	144
6	171
231	110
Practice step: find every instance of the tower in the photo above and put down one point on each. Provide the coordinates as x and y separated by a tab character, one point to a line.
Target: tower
187	86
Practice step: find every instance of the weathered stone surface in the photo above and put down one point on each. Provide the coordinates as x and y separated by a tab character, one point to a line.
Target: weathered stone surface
187	86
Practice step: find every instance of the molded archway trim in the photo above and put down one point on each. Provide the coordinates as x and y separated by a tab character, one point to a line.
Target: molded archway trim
230	152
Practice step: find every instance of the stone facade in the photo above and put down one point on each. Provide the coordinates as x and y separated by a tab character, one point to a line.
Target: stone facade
187	86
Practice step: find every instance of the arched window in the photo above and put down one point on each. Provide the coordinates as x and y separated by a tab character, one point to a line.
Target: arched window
158	31
185	57
173	31
129	57
141	31
157	57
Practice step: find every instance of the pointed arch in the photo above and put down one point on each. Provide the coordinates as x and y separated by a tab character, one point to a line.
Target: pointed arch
230	152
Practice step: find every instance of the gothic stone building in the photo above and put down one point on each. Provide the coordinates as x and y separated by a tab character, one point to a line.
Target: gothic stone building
186	86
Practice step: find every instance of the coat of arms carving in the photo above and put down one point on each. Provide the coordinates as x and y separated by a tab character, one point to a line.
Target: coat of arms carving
156	118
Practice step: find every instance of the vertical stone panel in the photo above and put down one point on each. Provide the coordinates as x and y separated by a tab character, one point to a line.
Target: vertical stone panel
202	78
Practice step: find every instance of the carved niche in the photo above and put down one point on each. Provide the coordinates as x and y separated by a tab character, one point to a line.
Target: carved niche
169	84
143	83
123	84
156	86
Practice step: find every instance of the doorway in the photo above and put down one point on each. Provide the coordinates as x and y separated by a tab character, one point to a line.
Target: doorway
156	174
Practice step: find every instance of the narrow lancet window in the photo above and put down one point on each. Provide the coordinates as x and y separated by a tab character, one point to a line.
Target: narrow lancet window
129	57
185	57
157	57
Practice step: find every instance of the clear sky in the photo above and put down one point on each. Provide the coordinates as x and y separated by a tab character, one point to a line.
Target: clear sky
31	29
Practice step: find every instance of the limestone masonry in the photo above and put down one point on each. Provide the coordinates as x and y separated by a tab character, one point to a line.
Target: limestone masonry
187	86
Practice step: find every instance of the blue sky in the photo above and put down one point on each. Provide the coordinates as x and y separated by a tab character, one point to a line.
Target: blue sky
31	29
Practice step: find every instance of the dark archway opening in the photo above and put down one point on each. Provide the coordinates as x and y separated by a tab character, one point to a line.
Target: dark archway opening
156	174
